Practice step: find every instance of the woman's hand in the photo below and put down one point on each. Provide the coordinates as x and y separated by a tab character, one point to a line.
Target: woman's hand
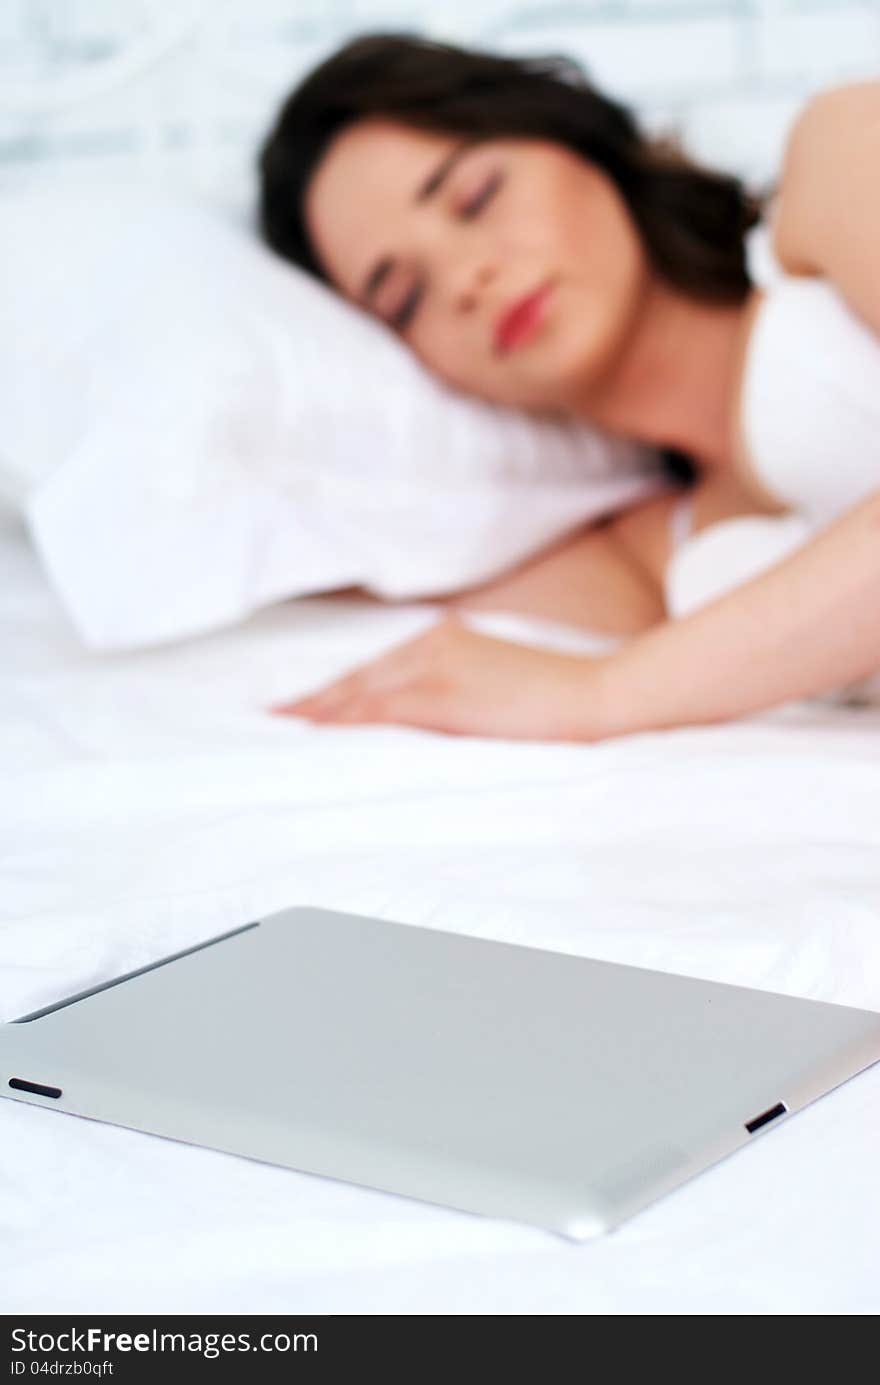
452	679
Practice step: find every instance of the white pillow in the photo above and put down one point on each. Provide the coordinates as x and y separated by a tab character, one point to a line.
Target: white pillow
193	428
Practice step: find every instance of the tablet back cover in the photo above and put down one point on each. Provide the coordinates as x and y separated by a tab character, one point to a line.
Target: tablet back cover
494	1078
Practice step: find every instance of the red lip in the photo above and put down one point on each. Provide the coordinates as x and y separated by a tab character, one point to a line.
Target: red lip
518	321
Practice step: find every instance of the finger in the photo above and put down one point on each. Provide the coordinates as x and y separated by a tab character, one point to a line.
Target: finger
387	671
417	703
318	715
291	709
414	704
322	697
389	706
384	673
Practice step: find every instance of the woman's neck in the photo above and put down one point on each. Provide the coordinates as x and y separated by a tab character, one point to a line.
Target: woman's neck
676	381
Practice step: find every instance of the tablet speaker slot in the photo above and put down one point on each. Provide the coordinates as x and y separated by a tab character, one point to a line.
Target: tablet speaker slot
766	1117
20	1085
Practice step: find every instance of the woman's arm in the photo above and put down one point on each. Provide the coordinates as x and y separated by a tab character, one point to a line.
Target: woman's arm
810	624
806	626
827	216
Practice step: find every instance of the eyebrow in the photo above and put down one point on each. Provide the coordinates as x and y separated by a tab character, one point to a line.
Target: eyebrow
426	190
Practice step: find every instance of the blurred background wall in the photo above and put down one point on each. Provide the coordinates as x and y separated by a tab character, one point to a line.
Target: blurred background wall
179	91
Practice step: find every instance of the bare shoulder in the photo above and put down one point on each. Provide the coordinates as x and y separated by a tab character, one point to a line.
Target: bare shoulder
825	156
831	123
841	103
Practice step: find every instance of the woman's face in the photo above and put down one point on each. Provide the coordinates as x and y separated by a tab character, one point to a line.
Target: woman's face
440	237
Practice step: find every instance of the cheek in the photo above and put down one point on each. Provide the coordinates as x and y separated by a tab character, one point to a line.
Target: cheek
465	368
592	226
609	280
451	355
618	248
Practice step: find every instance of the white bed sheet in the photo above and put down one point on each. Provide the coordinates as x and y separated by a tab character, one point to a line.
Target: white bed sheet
149	802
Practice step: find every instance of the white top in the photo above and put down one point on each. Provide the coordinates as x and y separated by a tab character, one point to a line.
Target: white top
811	424
810	395
811	399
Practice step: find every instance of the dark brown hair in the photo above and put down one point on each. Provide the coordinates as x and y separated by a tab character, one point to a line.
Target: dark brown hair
692	220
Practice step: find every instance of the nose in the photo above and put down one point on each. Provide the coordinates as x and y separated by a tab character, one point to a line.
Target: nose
474	280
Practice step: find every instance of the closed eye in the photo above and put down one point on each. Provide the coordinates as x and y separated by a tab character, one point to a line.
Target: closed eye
404	315
477	203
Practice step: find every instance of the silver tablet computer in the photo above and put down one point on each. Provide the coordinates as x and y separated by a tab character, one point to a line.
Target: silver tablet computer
494	1078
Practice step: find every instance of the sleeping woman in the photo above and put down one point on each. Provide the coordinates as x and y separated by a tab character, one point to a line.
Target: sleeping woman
535	249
